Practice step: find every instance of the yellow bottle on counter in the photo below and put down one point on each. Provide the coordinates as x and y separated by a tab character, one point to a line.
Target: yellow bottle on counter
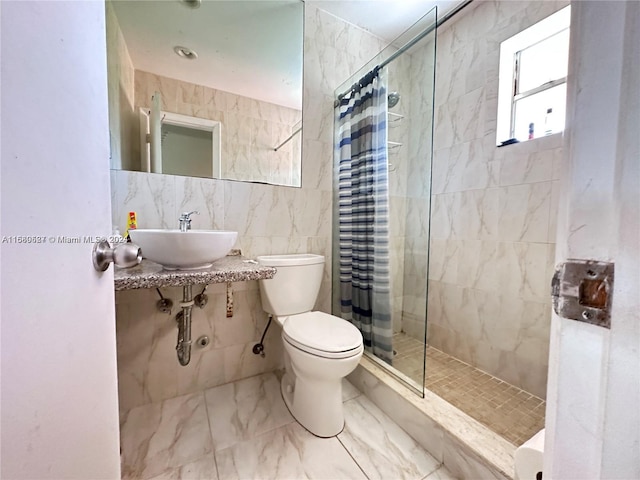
132	223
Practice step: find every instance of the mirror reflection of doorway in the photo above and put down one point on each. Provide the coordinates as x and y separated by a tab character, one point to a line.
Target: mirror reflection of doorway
179	144
186	151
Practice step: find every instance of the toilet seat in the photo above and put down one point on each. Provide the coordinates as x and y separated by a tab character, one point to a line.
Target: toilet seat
322	335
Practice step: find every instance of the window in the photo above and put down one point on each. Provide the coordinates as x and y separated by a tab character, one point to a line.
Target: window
533	80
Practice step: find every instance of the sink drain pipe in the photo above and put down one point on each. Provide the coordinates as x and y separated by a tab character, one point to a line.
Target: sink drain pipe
183	348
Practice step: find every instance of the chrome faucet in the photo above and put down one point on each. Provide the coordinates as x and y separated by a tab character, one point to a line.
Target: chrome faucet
185	220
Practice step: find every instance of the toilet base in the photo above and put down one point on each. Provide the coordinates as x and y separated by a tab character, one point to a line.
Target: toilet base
316	406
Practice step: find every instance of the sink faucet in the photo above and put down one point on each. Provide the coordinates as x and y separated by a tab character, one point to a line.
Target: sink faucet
185	220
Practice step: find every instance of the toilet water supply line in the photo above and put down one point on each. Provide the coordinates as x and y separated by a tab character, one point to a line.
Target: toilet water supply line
183	348
258	348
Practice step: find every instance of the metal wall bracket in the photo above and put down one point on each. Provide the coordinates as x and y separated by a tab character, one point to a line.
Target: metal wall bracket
582	290
229	299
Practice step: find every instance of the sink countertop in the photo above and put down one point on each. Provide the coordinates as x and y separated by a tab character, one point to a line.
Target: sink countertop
232	268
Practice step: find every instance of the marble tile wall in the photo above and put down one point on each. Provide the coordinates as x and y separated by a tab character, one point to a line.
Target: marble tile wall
268	218
251	128
494	209
148	370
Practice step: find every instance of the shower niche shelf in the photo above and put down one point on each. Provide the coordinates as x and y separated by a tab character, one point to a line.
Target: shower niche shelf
393	148
394	119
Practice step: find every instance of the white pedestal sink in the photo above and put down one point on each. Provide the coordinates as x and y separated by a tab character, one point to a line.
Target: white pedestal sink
177	250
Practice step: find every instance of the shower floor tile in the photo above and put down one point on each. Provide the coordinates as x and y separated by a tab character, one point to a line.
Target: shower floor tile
243	430
510	412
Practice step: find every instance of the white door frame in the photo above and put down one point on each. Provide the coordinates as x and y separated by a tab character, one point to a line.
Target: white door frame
593	394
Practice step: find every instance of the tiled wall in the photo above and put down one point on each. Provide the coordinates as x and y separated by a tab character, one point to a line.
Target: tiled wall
494	209
251	128
269	219
148	369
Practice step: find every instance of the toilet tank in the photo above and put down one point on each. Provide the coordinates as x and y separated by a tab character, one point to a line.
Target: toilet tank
294	289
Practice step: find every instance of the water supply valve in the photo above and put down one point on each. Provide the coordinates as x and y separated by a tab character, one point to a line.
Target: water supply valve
201	299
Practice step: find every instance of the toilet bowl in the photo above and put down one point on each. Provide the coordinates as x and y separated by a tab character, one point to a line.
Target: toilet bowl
320	349
529	458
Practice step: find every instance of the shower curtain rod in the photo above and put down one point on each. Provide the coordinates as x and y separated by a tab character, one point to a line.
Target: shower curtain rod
415	40
288	138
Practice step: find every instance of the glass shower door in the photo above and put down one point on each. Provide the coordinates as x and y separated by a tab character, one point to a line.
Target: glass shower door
409	64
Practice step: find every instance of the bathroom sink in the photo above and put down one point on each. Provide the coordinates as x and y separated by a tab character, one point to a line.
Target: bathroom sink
178	250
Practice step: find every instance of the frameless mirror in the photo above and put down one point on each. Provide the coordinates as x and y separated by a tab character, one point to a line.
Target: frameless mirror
206	88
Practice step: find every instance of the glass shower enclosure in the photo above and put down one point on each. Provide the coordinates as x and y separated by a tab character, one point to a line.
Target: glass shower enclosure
383	252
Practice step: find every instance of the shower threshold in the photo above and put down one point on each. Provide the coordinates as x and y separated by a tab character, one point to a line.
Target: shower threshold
467	448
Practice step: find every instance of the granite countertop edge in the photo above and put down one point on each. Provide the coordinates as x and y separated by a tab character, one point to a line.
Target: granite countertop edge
232	268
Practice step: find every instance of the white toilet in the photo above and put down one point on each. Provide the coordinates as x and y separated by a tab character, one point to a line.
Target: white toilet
320	349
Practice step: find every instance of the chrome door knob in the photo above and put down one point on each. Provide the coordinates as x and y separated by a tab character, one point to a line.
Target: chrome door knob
123	255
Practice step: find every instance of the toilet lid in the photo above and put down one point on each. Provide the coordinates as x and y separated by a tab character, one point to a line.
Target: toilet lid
322	334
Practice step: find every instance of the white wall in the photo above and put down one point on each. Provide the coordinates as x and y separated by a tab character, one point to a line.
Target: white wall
593	404
59	398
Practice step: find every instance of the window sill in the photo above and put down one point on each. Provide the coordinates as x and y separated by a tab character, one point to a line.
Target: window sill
554	138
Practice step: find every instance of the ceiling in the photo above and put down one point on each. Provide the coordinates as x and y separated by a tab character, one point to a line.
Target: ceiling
386	19
251	48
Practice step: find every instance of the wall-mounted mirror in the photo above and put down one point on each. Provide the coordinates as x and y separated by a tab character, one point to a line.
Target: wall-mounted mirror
230	71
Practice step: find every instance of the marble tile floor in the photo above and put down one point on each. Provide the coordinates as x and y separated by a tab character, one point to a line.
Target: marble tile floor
510	412
243	430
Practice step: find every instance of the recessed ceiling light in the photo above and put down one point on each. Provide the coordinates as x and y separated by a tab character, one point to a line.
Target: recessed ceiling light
191	3
185	52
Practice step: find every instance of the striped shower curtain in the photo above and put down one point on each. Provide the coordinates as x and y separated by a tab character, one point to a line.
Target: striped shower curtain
361	140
